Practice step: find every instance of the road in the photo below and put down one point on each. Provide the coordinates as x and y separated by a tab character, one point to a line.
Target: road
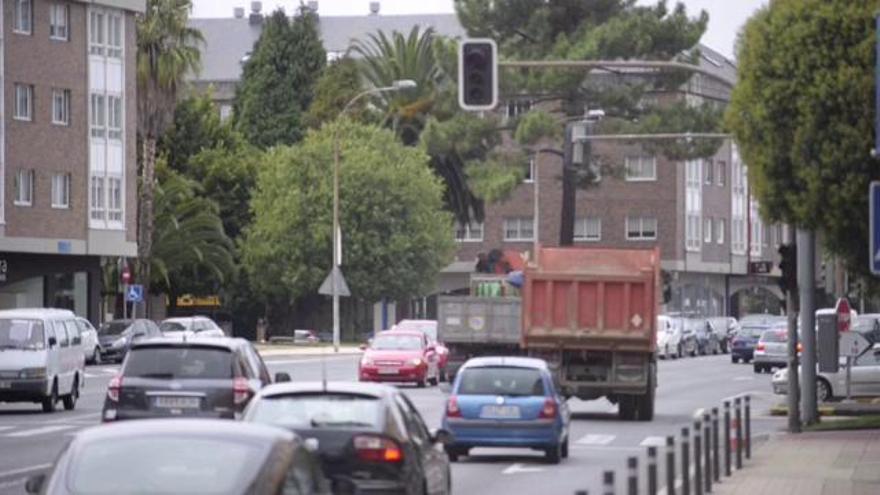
30	440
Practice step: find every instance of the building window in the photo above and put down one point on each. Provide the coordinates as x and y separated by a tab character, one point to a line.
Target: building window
472	232
59	22
114	210
530	172
709	172
519	229
516	108
588	229
61	191
707	231
24	188
23	16
722	172
97	34
757	230
693	205
225	112
61	107
114	36
641	228
96	205
719	230
114	117
641	168
24	102
98	115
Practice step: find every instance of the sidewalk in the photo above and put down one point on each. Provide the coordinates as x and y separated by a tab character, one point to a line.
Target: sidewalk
813	463
267	350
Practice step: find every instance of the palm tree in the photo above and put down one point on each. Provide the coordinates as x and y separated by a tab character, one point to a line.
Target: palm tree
167	51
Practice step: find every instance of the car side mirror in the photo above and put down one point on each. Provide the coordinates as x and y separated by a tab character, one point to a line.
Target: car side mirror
441	436
35	483
53	341
282	377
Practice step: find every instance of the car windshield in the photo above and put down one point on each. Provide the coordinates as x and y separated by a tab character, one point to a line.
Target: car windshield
21	334
318	410
166	465
173	326
114	327
498	380
774	336
179	362
397	342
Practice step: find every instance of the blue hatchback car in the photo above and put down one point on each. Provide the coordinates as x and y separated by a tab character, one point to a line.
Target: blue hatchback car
507	402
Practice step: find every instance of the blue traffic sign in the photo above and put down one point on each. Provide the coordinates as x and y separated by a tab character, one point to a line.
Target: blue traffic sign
134	293
874	253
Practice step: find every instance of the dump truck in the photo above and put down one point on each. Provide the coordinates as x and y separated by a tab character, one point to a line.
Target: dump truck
590	313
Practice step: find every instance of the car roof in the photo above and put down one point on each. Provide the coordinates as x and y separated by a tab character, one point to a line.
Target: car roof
214	428
377	390
504	361
36	313
228	343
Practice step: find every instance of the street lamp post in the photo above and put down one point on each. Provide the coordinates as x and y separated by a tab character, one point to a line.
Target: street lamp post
397	85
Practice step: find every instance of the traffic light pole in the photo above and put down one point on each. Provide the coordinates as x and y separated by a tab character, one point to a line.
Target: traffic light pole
806	244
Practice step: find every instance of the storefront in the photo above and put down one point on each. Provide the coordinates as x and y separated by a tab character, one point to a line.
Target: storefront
46	280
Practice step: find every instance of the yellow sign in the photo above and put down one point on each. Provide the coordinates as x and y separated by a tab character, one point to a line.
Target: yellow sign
189	300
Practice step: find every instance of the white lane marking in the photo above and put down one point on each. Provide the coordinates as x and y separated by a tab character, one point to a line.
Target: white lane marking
653	442
520	468
596	439
68	419
4	428
744	379
14	472
38	431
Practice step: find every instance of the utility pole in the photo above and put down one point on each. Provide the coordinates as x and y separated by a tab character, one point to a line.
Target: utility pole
806	257
791	308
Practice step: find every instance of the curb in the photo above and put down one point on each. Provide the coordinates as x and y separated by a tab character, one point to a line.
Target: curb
830	410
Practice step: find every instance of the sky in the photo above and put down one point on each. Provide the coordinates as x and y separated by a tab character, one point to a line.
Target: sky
725	16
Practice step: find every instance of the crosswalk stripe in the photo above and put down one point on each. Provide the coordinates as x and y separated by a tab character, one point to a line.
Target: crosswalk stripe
594	439
37	431
653	442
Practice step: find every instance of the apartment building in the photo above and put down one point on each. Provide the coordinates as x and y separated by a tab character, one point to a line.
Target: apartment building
67	148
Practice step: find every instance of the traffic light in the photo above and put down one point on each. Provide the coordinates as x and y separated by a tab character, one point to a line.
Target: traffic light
788	267
477	74
667	286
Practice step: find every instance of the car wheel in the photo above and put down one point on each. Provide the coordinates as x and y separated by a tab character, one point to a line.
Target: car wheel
49	402
453	454
565	448
69	400
758	369
553	455
421	383
96	357
679	353
823	390
443	376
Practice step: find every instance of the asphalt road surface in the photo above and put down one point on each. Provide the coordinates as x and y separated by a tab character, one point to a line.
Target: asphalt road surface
30	439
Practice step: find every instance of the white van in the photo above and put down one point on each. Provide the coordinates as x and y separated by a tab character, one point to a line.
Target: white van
41	357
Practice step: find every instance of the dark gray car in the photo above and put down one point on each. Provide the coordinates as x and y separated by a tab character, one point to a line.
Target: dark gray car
116	337
183	456
167	377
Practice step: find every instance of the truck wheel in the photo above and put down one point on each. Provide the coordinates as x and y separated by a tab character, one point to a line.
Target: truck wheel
626	407
645	402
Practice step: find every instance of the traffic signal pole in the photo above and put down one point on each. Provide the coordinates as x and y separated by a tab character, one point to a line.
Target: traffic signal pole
806	244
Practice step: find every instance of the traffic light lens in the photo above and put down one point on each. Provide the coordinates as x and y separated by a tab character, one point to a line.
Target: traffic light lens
475	59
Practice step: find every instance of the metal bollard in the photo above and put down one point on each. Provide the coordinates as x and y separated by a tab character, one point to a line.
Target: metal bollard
748	420
632	468
608	483
716	450
685	462
707	453
581	492
698	458
727	471
652	470
670	465
737	404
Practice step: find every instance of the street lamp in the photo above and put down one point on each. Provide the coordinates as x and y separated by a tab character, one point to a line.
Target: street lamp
397	85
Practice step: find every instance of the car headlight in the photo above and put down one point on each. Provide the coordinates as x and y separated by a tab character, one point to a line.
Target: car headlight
365	361
416	362
120	342
33	373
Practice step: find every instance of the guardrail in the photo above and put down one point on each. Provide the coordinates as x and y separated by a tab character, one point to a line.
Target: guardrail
700	456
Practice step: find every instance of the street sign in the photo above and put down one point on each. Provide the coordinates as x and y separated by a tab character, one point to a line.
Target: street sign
134	293
760	267
334	278
874	241
853	344
844	315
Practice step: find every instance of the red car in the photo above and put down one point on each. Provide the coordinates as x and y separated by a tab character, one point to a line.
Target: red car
429	328
400	356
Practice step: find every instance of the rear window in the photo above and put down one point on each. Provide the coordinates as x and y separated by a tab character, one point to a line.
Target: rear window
751	332
166	465
497	380
318	410
179	362
172	326
114	327
774	336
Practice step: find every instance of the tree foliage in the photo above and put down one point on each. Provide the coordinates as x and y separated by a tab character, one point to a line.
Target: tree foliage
395	235
339	83
277	84
802	116
196	127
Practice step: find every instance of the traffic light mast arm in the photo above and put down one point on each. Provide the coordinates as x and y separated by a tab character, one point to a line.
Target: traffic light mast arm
600	64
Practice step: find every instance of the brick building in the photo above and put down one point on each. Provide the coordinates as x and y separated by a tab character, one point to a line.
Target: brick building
68	179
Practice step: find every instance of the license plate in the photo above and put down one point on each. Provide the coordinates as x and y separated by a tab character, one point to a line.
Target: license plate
500	412
5	384
177	402
387	371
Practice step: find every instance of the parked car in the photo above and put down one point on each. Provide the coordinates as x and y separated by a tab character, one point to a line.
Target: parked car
688	344
507	402
725	328
370	437
183	456
869	326
116	337
742	347
771	351
708	341
669	335
41	357
307	337
429	328
190	326
830	386
400	356
167	377
90	345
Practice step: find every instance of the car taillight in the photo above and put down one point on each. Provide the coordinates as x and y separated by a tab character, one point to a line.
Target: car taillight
114	387
549	409
372	448
240	391
800	348
452	409
760	347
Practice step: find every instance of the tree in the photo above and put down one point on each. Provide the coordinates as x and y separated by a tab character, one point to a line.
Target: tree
339	83
801	113
167	49
196	127
396	237
278	79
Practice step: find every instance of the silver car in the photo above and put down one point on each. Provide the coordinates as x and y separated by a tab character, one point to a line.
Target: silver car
669	334
865	379
771	351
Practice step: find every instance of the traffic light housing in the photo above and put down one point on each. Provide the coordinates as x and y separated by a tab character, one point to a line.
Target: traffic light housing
667	286
478	74
788	267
